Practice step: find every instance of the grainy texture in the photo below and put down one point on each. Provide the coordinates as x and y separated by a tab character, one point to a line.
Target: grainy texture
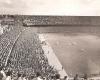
22	50
54	20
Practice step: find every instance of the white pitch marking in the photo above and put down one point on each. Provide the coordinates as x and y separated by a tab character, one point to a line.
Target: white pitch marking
53	60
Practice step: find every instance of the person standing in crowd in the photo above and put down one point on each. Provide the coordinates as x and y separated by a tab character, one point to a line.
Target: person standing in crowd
44	78
52	77
76	77
85	77
23	77
2	74
8	75
65	78
1	30
57	76
19	77
39	76
33	78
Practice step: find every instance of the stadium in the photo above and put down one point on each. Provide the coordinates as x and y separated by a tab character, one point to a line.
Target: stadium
50	45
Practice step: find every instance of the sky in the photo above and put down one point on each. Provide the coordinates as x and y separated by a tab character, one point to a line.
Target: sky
51	7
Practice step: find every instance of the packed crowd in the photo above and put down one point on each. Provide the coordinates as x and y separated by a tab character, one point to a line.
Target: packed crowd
26	56
7	75
27	60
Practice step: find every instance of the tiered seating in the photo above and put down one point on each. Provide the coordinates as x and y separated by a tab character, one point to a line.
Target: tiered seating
6	41
27	55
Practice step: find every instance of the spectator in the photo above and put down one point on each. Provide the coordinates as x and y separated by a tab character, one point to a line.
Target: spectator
2	74
44	78
1	30
52	77
8	75
76	77
33	78
24	77
85	77
19	77
38	76
65	77
57	76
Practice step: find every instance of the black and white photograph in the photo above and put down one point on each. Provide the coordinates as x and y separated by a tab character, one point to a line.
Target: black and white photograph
49	39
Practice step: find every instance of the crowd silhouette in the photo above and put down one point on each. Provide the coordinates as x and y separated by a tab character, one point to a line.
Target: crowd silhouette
7	75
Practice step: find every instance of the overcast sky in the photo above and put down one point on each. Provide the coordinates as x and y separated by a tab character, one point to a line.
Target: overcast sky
51	7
